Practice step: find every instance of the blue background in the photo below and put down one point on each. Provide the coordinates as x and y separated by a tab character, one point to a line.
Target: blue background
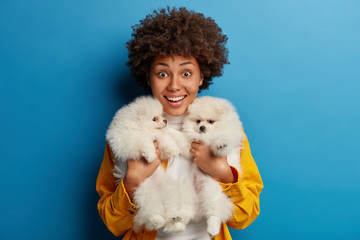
294	78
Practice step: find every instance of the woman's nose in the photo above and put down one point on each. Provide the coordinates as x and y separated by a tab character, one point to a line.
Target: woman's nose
174	84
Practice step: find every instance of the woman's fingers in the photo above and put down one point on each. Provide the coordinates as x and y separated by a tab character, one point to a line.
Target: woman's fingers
156	148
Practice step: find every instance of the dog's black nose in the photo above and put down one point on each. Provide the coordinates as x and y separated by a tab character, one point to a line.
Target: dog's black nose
202	128
165	121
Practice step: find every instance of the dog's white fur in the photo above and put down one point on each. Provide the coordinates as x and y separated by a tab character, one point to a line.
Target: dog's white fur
130	135
214	121
163	201
136	126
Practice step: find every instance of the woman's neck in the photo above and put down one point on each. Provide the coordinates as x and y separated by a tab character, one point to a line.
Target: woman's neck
175	121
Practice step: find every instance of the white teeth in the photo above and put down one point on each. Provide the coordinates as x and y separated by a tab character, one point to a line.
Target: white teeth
175	99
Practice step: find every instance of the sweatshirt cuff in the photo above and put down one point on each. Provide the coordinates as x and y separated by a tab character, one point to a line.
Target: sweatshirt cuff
122	200
234	190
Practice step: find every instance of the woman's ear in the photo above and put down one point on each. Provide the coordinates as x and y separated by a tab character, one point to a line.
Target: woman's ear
201	79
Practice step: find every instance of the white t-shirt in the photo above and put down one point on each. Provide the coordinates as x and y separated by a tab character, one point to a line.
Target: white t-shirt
178	169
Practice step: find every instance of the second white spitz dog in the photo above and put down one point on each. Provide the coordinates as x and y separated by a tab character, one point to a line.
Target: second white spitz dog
214	122
130	135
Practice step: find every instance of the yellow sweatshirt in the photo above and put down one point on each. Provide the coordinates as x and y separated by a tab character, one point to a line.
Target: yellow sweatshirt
117	211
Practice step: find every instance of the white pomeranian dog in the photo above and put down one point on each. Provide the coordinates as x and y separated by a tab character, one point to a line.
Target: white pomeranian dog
214	122
131	135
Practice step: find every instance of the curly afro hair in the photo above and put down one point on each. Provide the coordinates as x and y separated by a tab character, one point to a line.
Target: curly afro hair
181	32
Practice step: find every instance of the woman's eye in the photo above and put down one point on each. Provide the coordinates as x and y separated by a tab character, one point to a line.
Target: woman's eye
187	74
162	74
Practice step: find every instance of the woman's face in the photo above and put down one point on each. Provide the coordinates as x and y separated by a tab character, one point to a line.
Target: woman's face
175	81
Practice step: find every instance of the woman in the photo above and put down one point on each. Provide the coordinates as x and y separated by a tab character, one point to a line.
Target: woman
175	54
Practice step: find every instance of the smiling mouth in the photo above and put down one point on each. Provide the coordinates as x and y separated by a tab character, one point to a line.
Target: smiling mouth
175	99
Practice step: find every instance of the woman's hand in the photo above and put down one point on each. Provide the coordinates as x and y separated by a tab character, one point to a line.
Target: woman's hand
138	170
217	167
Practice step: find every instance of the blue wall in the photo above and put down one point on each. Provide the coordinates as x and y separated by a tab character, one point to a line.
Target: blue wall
294	78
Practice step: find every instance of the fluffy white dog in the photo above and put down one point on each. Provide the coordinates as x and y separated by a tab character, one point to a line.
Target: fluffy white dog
214	121
131	134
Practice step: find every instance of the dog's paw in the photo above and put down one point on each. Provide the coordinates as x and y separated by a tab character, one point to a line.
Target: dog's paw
155	222
179	227
174	227
149	156
213	226
170	152
219	150
221	147
164	154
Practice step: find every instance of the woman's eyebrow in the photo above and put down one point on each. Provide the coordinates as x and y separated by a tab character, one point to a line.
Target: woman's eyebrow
162	64
185	63
167	65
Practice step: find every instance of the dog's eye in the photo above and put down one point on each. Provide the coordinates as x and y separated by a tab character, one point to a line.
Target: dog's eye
198	121
210	121
154	119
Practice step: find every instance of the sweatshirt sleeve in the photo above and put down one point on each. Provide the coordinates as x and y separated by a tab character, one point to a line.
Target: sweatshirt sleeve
244	193
115	207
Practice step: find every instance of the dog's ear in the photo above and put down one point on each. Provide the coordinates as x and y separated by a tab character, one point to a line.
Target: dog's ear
221	110
141	113
224	107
